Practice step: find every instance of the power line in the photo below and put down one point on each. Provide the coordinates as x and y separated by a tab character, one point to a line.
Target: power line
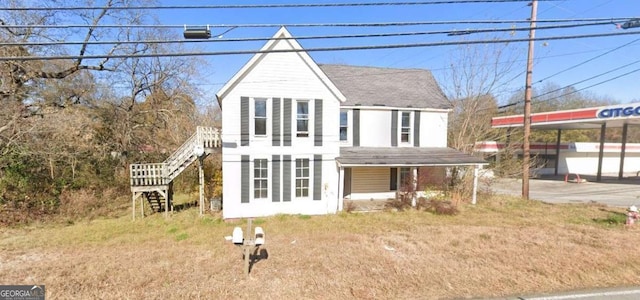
253	39
592	77
578	90
586	61
596	84
348	48
577	65
378	24
245	6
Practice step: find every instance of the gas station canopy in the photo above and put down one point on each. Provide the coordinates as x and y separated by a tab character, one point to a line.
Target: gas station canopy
603	117
584	118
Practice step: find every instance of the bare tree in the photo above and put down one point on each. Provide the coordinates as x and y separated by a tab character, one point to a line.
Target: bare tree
24	83
155	105
478	73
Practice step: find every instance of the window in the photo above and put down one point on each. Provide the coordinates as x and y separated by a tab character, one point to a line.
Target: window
302	119
260	179
405	129
260	117
343	125
302	177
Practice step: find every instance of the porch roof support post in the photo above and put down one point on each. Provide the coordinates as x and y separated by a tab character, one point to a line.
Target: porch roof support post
341	188
475	184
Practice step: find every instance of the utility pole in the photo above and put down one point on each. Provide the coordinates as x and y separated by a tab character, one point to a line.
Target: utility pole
527	103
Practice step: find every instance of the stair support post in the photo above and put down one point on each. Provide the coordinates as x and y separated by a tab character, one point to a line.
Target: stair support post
201	181
133	205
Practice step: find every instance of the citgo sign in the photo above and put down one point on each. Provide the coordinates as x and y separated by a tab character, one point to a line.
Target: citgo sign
626	111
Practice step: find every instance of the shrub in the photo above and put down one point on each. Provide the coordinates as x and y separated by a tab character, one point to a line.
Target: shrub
402	202
440	207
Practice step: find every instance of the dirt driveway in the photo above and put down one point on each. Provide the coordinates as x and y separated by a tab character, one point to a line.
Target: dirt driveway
553	189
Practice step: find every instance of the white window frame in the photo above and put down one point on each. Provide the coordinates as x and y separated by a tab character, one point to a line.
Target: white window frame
301	178
261	165
409	128
300	117
265	117
346	126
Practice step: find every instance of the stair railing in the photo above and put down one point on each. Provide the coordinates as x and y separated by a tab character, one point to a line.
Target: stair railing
148	174
164	173
182	155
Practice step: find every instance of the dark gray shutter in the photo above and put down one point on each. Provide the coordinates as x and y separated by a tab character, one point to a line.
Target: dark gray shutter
356	127
244	181
286	126
416	128
317	177
393	181
394	128
244	121
277	110
286	178
317	129
275	181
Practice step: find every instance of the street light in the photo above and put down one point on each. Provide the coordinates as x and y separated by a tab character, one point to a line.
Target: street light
197	32
631	24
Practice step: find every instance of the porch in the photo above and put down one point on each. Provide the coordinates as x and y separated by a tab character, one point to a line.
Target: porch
376	174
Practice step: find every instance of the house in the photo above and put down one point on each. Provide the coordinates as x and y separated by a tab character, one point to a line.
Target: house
299	138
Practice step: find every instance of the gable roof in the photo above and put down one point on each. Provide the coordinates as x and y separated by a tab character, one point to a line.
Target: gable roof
282	36
371	86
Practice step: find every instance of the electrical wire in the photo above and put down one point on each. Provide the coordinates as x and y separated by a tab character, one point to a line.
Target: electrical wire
578	90
378	24
599	83
586	61
253	39
245	6
347	48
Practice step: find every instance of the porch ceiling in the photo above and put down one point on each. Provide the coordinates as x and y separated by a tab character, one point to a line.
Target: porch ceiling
405	156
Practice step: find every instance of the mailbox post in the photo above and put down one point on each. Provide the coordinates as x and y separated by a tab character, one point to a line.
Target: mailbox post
248	242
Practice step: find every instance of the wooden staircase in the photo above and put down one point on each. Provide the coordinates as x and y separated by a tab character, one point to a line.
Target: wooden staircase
154	181
155	200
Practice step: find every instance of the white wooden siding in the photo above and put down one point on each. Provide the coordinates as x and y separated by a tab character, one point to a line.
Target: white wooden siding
279	75
433	129
375	128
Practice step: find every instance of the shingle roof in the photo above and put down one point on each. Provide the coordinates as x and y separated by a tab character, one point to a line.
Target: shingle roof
407	156
371	86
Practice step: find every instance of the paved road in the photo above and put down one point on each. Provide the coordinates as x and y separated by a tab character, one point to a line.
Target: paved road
631	293
610	191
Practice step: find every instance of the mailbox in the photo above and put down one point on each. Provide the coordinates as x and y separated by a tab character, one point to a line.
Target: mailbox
237	237
259	236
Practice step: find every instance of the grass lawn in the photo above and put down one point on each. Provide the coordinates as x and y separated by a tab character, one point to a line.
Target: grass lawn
502	246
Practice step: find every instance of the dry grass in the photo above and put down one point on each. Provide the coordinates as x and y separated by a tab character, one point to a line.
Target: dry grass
500	247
